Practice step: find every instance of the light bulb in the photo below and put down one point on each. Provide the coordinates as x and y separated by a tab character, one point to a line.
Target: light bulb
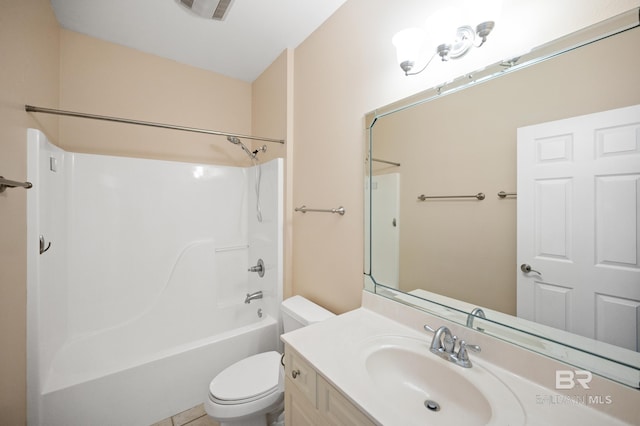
408	43
443	24
481	11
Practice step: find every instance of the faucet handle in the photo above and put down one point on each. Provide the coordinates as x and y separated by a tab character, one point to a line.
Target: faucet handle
429	328
463	355
259	268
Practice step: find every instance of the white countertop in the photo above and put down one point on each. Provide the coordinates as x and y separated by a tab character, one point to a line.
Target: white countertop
334	347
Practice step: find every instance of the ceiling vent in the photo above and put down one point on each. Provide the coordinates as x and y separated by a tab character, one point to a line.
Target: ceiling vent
210	9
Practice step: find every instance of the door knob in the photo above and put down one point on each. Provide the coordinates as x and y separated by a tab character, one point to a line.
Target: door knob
527	268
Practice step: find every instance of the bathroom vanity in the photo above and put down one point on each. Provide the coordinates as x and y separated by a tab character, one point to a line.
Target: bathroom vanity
374	366
311	400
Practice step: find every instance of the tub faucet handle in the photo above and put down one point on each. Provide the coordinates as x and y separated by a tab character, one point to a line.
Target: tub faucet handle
259	268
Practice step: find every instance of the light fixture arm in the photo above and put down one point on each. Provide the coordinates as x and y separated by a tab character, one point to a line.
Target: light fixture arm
407	66
466	38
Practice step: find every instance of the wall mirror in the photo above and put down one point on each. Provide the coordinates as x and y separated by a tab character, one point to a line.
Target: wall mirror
458	217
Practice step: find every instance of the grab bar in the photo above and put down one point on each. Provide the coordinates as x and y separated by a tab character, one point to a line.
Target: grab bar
393	163
340	210
479	196
503	194
6	183
231	248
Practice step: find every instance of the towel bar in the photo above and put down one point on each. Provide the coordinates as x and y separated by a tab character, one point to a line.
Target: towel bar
6	183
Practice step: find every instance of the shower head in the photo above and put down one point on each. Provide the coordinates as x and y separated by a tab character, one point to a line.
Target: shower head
234	140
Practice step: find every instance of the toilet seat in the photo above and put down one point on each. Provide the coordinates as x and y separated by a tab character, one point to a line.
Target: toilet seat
231	386
251	391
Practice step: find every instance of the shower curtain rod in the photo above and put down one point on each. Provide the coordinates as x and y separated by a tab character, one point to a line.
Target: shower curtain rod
31	108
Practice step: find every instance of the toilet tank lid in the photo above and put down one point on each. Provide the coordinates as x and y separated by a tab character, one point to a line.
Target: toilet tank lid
305	311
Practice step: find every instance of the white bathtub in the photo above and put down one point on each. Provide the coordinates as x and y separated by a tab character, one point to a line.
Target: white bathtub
120	390
139	302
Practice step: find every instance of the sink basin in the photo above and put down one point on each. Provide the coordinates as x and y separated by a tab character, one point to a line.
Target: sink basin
430	390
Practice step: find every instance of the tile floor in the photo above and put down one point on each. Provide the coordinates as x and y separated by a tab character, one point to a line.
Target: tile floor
195	416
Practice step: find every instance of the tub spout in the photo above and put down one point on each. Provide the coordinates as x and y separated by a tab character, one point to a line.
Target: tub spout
253	296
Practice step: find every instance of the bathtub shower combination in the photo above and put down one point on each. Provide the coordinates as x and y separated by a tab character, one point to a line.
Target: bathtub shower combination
137	279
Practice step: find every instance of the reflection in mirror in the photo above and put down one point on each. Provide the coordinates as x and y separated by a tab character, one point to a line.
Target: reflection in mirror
552	248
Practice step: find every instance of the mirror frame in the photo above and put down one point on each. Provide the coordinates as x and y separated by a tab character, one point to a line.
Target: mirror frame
585	356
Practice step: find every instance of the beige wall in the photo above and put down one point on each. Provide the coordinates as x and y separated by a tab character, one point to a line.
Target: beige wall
466	143
103	78
56	68
347	68
269	106
272	106
28	74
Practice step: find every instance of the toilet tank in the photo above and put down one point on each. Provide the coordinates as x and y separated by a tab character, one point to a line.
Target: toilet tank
299	312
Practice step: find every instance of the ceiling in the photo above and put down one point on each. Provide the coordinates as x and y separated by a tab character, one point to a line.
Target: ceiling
252	35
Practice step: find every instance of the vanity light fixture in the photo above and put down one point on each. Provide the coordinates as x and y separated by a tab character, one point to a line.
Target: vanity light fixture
210	9
453	40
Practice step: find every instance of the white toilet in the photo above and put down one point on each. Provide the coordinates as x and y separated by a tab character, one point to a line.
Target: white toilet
251	391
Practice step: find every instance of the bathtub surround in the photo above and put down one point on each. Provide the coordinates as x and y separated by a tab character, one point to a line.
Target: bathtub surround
140	300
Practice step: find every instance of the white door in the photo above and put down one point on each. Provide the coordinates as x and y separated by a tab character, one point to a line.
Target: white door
579	225
385	229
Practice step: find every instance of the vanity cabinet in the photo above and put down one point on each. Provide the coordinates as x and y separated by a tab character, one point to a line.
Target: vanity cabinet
311	400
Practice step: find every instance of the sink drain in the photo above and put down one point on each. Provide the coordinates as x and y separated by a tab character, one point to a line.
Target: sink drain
432	405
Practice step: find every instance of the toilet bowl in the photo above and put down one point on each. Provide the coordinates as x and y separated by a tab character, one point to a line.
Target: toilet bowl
247	391
251	391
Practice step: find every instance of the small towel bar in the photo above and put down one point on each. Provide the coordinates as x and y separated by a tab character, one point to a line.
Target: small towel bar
379	160
6	183
340	210
479	196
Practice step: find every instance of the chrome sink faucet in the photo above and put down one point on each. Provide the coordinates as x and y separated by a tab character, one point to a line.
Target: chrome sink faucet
443	341
253	296
444	345
477	312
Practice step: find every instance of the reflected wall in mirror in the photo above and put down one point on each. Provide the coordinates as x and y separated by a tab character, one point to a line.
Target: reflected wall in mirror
466	249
